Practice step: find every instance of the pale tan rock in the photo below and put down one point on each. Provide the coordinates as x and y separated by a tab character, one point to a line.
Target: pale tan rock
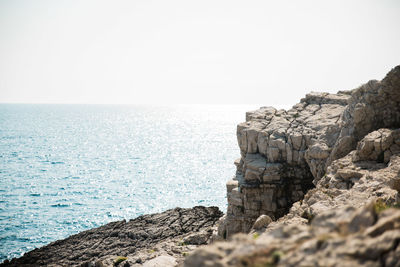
200	238
363	218
385	224
161	261
231	184
205	257
262	222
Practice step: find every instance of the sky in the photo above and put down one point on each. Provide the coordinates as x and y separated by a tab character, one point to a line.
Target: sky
192	52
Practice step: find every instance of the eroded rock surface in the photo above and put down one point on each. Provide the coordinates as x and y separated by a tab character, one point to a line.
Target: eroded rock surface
347	220
286	153
343	237
348	146
149	240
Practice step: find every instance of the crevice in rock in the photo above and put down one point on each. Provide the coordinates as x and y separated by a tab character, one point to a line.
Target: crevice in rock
293	188
380	158
264	189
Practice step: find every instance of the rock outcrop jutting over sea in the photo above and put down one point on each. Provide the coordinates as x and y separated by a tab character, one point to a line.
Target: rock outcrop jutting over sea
317	185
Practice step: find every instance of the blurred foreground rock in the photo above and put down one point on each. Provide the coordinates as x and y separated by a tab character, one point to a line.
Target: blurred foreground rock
368	236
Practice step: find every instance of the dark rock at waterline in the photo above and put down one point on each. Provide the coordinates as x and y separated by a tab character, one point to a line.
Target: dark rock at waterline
147	237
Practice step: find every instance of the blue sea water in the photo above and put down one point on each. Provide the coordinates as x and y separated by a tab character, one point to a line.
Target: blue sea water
69	168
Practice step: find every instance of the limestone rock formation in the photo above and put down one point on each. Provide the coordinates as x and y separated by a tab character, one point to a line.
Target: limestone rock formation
284	154
327	172
149	240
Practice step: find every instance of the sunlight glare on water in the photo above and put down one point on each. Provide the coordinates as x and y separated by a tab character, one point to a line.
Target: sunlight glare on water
68	168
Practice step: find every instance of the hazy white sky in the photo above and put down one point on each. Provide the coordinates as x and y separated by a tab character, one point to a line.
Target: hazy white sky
214	52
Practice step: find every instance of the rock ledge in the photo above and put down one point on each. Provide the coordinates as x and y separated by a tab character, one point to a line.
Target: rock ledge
161	239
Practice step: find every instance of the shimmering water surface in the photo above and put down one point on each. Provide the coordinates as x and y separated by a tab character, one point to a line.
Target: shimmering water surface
68	168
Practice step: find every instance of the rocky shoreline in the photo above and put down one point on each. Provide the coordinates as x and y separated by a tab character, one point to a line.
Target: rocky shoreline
162	239
317	185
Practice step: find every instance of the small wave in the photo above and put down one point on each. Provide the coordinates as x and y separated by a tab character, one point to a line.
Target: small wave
35	194
13	238
60	205
57	162
51	194
71	177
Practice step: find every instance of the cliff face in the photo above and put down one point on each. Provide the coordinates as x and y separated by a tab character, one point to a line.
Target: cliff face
316	185
286	153
281	153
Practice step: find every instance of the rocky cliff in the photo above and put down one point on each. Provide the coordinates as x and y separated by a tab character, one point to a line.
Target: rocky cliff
316	185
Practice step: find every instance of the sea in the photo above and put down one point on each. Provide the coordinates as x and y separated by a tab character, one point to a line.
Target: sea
69	168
